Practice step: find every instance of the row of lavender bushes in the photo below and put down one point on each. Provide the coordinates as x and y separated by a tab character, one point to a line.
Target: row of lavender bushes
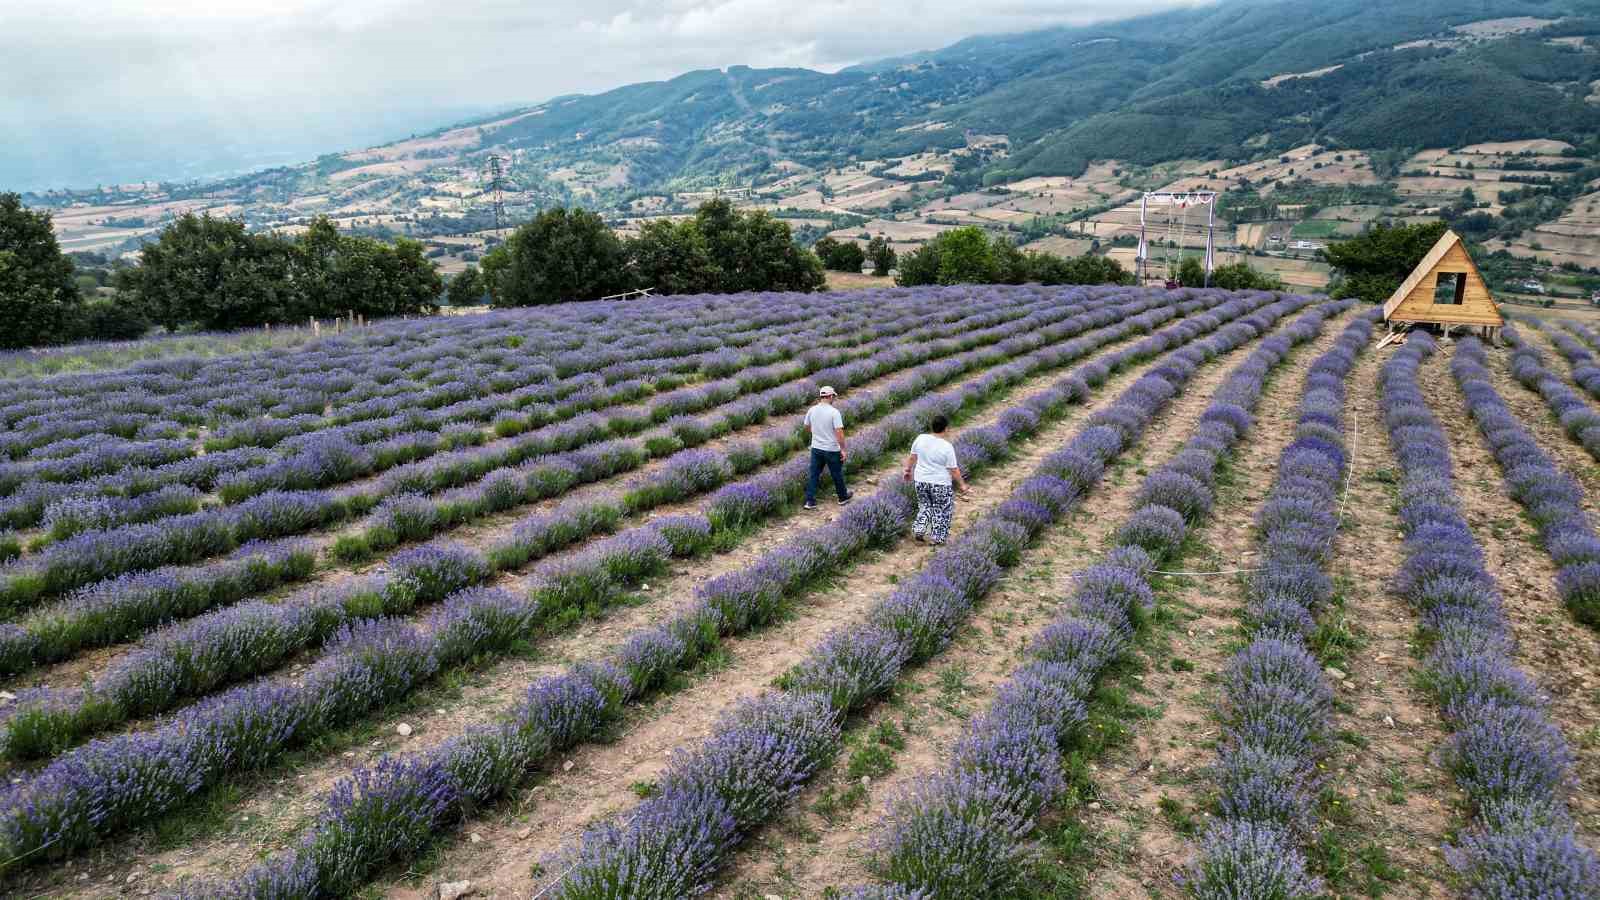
93	555
231	644
1585	371
578	420
1577	417
407	514
121	608
1552	500
1277	706
414	433
431	364
763	752
393	811
1505	752
395	367
332	456
96	555
60	468
367	389
1589	336
966	831
105	786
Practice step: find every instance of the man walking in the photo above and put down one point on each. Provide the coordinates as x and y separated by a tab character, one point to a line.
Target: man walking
827	447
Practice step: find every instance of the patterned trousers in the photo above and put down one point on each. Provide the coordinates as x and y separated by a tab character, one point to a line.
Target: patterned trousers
936	504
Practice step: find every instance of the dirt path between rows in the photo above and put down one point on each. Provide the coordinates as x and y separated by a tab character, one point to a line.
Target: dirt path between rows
1398	797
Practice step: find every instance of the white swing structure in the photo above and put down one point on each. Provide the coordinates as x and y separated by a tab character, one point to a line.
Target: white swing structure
1176	205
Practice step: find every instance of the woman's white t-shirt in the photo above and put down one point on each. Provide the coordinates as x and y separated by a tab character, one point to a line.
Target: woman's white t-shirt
935	459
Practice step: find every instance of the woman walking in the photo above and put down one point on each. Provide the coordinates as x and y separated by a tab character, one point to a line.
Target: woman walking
932	465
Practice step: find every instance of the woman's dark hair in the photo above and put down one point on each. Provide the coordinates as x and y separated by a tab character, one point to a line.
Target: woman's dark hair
939	424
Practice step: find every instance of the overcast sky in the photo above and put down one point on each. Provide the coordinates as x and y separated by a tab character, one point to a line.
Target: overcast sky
100	90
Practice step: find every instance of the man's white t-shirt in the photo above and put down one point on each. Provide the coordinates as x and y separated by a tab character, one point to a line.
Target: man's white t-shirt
823	419
935	458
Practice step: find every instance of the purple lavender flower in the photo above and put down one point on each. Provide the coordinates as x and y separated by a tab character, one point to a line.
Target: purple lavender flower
1174	490
955	835
923	612
1244	859
851	665
1544	863
1158	530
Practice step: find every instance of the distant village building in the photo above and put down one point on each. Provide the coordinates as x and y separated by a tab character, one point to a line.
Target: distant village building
1532	286
1305	245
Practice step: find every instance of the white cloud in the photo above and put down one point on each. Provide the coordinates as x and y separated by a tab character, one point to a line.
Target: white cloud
160	80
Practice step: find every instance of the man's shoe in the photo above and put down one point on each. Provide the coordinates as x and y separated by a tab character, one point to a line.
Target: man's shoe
847	499
811	506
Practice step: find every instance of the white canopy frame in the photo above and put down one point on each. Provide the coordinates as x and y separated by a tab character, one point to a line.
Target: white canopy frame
1176	203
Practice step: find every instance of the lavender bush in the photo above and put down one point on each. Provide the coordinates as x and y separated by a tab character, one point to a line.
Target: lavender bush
1507	755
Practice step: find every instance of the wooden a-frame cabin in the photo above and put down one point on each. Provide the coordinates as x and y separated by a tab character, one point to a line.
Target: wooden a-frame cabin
1446	290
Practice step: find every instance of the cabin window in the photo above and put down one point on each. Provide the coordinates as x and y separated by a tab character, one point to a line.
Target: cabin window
1451	288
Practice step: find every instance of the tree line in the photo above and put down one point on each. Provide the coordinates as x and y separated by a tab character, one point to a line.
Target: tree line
213	274
573	254
203	272
969	256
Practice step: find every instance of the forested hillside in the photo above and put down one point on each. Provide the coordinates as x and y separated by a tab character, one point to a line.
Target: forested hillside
1182	84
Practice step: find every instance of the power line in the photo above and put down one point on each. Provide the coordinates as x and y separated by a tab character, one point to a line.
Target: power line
497	191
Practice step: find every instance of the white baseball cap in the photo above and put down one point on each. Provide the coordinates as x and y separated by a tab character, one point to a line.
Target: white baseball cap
826	391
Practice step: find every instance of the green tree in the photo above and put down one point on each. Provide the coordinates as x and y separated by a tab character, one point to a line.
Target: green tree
210	272
1371	267
39	298
965	257
752	251
338	274
842	256
920	266
1048	268
108	320
467	288
1010	264
1191	272
672	258
214	274
493	267
1240	277
882	256
563	254
825	248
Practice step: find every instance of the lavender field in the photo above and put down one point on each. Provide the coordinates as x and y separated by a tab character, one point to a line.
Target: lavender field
526	604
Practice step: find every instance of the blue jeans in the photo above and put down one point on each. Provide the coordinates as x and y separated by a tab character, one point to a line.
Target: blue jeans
834	460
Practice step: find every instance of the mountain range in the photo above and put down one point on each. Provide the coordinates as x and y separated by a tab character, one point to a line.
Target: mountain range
1201	83
1210	82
